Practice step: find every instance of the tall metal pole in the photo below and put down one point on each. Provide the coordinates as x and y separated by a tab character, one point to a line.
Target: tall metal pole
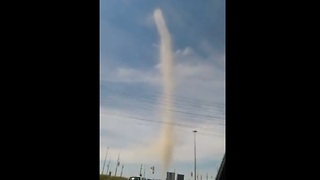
152	172
140	171
118	163
121	170
108	166
104	163
195	158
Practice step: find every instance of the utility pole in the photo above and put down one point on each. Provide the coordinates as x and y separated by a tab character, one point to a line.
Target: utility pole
195	159
108	166
104	163
121	170
140	170
207	177
118	163
152	171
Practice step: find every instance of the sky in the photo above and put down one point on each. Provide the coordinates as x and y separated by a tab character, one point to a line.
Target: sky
131	98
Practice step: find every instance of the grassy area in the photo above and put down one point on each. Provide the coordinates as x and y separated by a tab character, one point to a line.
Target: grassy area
105	177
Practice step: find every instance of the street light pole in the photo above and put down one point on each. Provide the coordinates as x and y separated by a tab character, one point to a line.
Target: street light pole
104	163
195	159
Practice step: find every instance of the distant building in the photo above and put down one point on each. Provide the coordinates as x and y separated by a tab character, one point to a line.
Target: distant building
180	177
170	176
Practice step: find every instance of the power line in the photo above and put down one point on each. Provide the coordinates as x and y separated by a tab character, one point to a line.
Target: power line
149	106
158	101
181	129
190	119
163	103
160	95
161	107
155	121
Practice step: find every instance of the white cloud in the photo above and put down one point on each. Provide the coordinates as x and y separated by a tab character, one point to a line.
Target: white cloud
129	75
187	51
191	70
132	75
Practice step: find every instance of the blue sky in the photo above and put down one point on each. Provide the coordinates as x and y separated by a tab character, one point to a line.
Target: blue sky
131	88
